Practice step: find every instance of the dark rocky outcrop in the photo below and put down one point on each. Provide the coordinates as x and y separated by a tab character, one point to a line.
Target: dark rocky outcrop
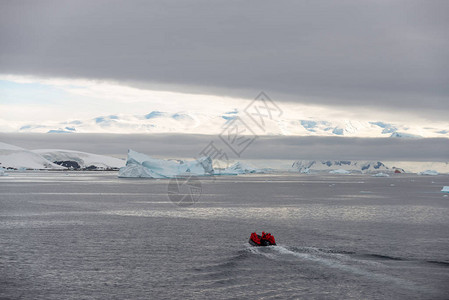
68	164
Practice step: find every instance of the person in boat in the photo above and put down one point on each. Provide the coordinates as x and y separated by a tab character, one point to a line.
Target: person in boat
265	239
268	237
255	238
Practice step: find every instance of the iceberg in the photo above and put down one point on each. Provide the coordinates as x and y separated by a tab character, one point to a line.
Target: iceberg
381	175
305	171
445	189
428	172
240	168
2	172
141	165
339	171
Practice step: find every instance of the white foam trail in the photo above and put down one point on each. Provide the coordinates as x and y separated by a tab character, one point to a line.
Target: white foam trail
332	263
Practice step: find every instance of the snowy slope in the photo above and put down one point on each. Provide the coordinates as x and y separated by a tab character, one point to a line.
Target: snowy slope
16	157
84	159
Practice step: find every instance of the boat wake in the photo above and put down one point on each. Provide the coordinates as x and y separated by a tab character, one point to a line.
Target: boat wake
340	261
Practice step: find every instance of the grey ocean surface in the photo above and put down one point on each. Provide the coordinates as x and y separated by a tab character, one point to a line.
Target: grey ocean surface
91	235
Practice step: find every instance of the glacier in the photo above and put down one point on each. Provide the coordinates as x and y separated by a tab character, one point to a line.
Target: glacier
143	166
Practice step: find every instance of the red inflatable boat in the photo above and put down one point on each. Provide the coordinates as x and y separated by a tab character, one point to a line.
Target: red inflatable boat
266	239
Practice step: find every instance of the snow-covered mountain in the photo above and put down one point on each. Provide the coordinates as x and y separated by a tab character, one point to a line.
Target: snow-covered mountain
19	158
339	166
83	160
200	123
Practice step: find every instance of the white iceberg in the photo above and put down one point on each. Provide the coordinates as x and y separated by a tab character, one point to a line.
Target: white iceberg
141	165
305	171
2	172
428	172
339	171
381	175
240	168
445	189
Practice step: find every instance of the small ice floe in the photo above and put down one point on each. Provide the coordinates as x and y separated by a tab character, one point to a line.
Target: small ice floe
366	192
339	171
392	184
381	175
445	189
428	172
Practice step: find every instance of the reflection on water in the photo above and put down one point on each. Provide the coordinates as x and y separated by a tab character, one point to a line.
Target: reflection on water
391	214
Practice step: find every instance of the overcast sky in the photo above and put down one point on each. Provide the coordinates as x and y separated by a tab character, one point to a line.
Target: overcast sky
264	148
384	55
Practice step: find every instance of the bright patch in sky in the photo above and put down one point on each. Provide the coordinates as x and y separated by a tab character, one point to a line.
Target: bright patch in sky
70	99
27	102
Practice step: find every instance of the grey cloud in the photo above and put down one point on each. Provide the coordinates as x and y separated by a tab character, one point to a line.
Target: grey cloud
384	54
278	147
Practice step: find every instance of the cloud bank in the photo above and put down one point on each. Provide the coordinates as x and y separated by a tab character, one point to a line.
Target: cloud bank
390	55
286	148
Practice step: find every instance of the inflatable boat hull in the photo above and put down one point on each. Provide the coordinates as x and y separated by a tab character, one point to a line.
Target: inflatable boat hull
263	243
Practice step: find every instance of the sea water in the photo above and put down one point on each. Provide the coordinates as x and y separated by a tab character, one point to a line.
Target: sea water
91	235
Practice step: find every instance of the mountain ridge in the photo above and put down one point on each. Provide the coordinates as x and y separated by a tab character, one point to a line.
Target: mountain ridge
200	123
